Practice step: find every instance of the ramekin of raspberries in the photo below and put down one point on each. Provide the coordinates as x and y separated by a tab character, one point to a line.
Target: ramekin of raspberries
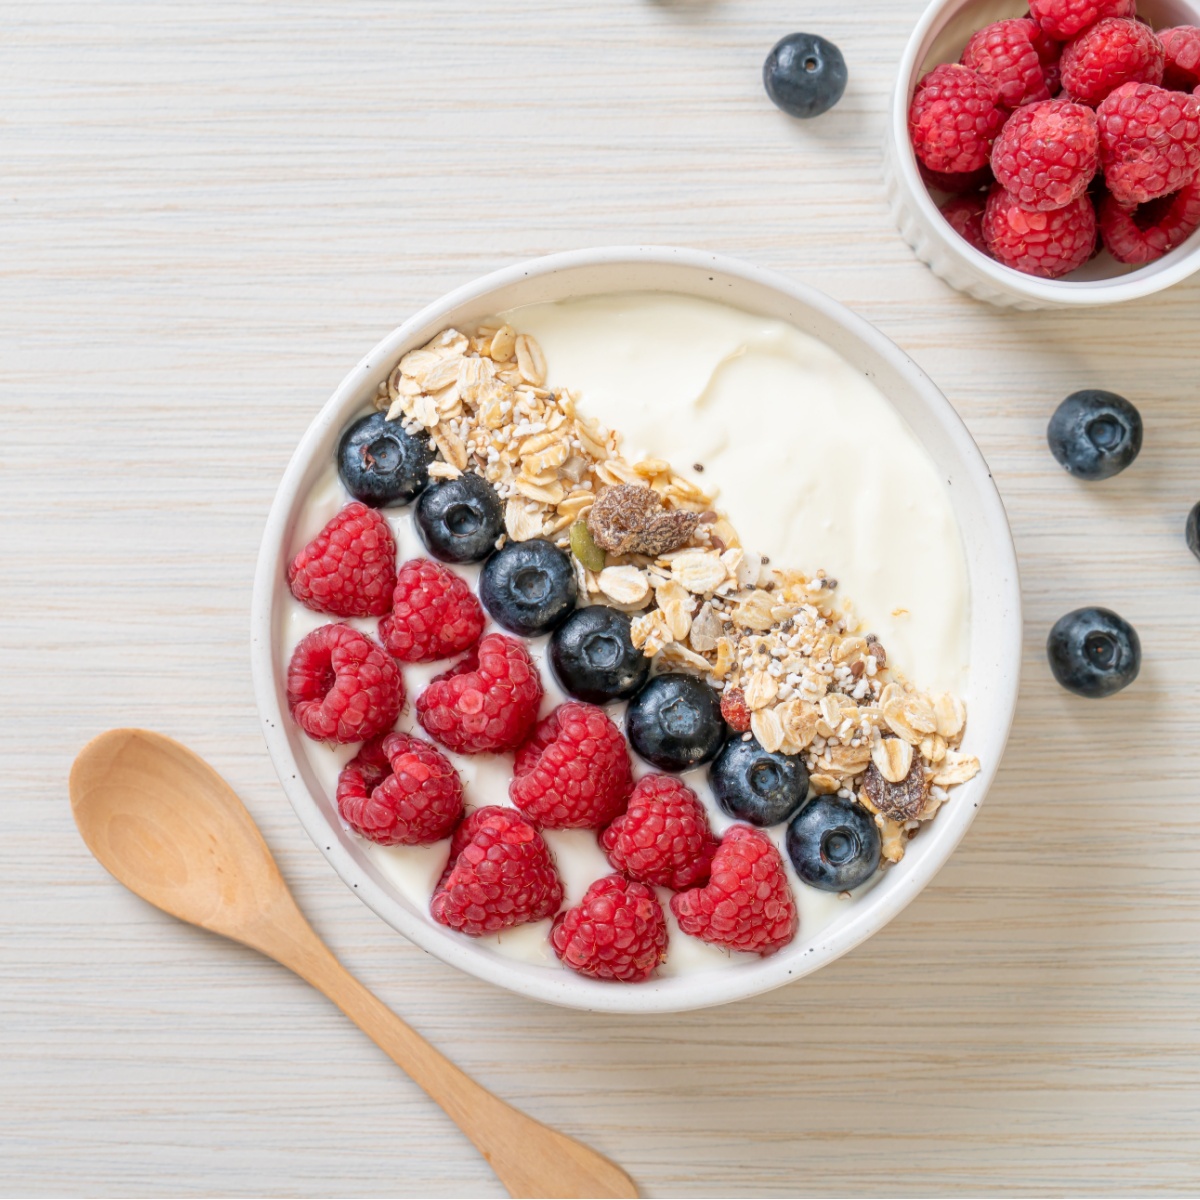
1066	134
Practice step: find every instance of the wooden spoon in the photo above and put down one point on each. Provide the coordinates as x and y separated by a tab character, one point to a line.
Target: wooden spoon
166	825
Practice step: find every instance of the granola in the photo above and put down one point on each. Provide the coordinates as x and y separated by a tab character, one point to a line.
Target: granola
652	542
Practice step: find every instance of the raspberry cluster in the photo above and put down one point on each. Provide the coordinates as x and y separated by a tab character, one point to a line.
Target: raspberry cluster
571	770
1075	127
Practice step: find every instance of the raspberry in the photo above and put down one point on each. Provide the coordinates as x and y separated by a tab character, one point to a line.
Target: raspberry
1048	49
1048	244
964	214
663	837
1140	234
574	772
434	614
1005	53
747	904
735	710
485	704
954	118
400	791
1111	52
1047	153
617	931
342	686
349	568
1149	141
500	874
1063	19
959	184
1181	50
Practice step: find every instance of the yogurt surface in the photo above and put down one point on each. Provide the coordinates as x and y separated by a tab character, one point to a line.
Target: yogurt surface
814	468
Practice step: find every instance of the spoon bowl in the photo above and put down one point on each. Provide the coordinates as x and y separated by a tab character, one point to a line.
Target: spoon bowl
169	828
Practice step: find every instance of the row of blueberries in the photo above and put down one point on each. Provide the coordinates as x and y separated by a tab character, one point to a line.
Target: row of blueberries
1095	435
673	721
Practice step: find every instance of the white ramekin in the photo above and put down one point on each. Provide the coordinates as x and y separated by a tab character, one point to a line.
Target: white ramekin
995	641
939	37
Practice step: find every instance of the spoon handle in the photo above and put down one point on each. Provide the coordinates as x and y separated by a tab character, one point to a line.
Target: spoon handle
530	1159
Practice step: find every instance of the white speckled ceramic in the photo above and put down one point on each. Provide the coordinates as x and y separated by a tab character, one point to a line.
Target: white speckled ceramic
939	37
995	641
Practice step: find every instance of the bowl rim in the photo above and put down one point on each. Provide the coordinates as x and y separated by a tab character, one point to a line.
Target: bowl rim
563	987
1145	280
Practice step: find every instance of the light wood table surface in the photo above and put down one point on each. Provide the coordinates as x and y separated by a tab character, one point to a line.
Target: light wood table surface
208	212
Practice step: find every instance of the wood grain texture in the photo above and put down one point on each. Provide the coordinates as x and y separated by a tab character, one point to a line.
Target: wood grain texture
207	213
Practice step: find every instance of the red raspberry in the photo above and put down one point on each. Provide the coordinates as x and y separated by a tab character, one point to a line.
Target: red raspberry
663	837
1111	52
1063	19
954	118
574	773
1181	49
964	214
1140	234
400	791
735	710
747	904
349	568
1053	77
1005	52
1048	244
1047	154
1049	51
960	184
342	686
617	931
434	614
1149	141
500	874
485	704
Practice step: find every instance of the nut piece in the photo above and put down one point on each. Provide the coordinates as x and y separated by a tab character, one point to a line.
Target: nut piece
902	800
630	519
893	758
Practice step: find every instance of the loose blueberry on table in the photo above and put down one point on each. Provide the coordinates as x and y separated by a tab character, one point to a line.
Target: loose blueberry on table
460	519
833	844
1093	652
754	785
1191	530
804	75
528	587
381	464
1095	434
594	658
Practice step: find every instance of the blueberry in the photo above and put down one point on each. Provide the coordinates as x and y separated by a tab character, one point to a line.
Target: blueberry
1095	434
1093	652
460	519
528	587
833	844
1191	531
675	722
380	464
805	75
754	785
593	656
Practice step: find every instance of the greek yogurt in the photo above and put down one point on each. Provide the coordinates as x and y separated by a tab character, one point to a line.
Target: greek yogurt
810	461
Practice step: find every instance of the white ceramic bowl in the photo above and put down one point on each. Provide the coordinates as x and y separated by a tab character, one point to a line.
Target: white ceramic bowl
939	37
995	639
